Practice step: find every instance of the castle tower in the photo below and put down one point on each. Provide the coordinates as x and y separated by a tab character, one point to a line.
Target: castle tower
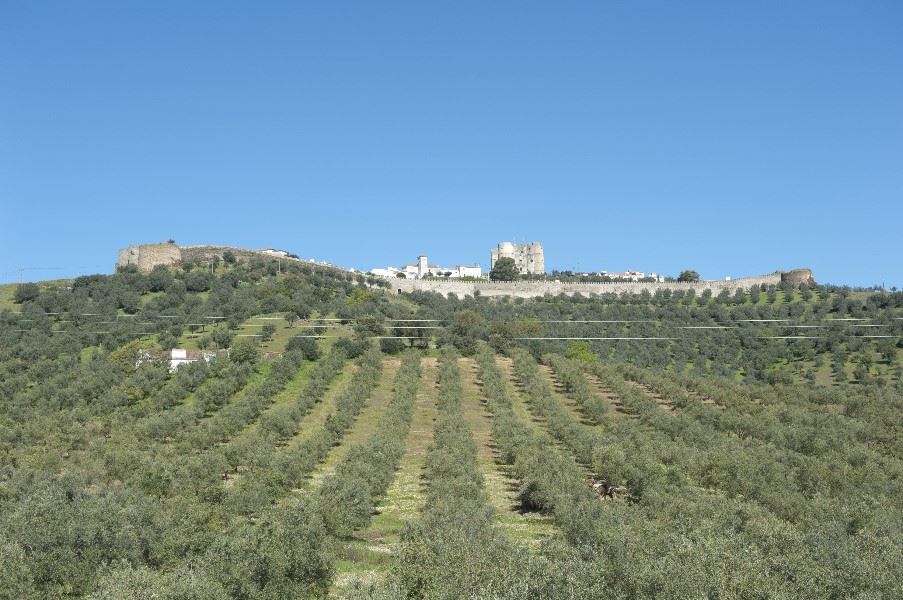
528	258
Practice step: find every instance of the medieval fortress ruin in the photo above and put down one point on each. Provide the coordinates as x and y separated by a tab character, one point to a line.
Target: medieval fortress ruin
528	258
147	256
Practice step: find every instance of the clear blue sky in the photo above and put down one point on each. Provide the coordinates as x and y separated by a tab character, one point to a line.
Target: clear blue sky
731	137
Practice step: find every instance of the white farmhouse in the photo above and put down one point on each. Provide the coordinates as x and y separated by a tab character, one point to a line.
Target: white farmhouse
181	356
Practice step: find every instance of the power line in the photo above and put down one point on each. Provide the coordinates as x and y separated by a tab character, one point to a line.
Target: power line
22	271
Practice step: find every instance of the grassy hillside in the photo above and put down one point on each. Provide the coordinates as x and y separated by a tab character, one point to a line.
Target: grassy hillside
643	446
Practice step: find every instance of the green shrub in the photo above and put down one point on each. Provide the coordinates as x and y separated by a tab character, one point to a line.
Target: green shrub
245	350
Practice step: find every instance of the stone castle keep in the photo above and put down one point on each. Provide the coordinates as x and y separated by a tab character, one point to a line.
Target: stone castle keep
148	256
528	258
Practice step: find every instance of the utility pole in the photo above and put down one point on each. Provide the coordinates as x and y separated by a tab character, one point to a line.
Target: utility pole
23	269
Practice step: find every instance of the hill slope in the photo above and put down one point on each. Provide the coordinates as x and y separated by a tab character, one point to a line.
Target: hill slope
667	445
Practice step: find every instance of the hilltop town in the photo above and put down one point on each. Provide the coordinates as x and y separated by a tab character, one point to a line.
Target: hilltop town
528	260
461	280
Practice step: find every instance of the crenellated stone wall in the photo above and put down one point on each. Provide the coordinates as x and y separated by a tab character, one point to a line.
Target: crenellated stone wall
533	289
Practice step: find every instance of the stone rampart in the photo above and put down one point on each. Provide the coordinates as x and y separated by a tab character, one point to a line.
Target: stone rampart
148	256
203	254
798	276
533	289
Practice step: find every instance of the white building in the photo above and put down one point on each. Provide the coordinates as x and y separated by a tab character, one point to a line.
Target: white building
177	357
181	356
632	275
468	271
274	252
387	272
422	268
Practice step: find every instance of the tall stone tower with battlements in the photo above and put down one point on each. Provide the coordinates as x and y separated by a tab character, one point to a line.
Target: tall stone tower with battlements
528	258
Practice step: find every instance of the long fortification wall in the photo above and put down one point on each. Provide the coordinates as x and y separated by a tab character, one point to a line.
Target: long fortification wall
206	253
533	289
148	256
